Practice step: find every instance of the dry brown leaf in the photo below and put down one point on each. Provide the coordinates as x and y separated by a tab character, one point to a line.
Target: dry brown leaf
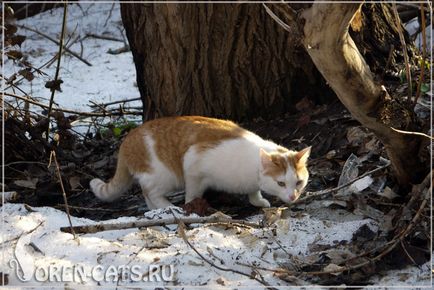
220	281
333	267
356	135
74	182
31	183
272	214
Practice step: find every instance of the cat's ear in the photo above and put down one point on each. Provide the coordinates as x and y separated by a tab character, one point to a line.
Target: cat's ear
266	159
302	155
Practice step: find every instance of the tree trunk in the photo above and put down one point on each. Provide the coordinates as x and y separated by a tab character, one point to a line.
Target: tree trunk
221	60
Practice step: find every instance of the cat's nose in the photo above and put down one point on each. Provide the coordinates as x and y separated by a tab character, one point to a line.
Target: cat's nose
294	195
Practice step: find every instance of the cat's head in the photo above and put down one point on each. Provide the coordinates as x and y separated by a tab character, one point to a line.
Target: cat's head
284	174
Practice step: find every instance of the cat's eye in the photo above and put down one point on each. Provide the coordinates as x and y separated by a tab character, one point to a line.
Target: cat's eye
281	183
299	182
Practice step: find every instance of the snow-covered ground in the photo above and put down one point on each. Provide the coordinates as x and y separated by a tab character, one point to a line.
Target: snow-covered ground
31	239
110	78
33	248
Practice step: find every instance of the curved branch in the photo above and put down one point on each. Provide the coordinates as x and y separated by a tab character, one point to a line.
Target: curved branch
333	51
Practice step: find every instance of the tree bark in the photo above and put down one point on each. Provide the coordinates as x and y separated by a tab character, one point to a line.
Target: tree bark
220	60
337	58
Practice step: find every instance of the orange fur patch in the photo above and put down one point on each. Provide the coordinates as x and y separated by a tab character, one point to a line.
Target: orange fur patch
134	152
277	167
280	164
173	136
299	166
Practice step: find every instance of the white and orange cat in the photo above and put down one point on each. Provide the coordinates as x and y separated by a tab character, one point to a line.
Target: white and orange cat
196	153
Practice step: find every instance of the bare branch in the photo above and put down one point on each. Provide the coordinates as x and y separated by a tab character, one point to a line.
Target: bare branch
404	50
56	42
65	200
88	114
213	219
56	75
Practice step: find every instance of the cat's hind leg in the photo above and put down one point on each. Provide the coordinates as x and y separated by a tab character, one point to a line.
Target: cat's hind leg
258	200
154	191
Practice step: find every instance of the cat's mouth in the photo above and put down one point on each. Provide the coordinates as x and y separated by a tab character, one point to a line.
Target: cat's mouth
289	199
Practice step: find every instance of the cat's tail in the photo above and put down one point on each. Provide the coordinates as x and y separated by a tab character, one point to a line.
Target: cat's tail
118	184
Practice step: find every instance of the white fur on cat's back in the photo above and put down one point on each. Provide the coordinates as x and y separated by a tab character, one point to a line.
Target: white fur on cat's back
231	166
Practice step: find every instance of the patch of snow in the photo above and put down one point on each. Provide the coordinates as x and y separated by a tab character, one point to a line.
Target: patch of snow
34	239
110	78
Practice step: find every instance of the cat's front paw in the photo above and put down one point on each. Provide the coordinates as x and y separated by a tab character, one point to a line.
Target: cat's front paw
261	203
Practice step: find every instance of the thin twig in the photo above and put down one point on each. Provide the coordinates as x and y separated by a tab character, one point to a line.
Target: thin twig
181	231
404	50
67	45
99	106
407	253
87	208
115	102
22	162
413	133
161	222
38	70
23	233
56	75
65	200
110	15
103	37
88	114
322	193
388	62
56	42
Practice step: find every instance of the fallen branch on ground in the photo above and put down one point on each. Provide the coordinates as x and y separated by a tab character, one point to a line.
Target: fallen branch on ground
213	219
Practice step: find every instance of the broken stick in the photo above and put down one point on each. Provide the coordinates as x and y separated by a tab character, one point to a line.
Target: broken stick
213	219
